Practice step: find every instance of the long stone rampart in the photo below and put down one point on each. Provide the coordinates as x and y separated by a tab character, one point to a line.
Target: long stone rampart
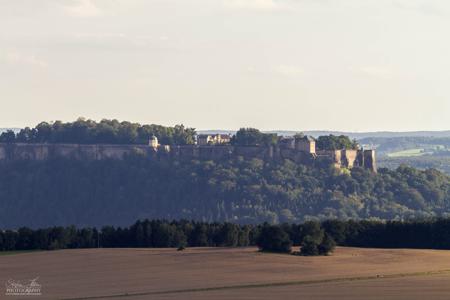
340	158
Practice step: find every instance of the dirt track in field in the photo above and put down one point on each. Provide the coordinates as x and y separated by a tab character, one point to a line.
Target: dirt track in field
224	273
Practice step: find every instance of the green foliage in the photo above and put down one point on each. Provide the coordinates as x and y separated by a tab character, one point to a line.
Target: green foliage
309	246
315	241
274	239
253	137
327	245
64	191
332	142
8	136
315	238
84	131
439	162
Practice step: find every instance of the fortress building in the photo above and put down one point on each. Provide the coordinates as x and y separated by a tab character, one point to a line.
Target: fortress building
301	150
306	144
216	139
153	142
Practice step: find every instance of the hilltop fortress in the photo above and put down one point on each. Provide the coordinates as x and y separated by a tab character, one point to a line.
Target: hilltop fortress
300	150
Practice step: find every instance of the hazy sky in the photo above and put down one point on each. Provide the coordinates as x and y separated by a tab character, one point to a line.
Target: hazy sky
353	65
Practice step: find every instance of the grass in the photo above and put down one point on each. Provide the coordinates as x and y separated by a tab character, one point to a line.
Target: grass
408	153
4	253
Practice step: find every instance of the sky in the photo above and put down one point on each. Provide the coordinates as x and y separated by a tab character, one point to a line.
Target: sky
349	65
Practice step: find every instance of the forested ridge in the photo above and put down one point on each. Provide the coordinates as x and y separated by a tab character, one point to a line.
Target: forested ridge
63	191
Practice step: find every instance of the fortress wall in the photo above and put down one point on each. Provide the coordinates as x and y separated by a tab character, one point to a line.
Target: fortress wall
92	152
25	151
65	150
219	152
186	151
41	152
2	152
253	152
203	151
348	158
334	155
370	160
296	156
340	158
120	151
213	152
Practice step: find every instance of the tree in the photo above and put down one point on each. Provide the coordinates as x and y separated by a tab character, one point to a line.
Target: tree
199	237
309	246
229	235
179	239
332	142
315	240
274	239
253	137
8	137
326	246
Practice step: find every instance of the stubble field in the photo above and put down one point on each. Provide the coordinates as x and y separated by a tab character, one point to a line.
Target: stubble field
232	273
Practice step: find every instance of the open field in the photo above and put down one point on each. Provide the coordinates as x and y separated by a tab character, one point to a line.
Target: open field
408	153
232	273
2	253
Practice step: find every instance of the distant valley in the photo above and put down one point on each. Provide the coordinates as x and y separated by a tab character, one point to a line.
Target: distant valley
353	135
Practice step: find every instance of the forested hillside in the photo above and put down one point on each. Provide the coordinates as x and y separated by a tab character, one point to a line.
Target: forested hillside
62	191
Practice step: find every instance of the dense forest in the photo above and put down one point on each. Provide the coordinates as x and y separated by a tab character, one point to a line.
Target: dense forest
314	238
441	163
62	191
85	131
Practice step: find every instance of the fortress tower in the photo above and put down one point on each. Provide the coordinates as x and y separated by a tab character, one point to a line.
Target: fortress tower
306	144
153	142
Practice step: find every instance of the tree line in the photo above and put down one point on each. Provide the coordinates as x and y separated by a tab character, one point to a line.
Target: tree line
309	238
84	131
175	234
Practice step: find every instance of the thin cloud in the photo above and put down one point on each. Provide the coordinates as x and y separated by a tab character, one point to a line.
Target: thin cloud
83	9
432	8
252	4
16	58
380	72
288	70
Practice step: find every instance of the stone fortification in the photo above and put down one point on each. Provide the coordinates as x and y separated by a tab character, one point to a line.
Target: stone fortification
298	154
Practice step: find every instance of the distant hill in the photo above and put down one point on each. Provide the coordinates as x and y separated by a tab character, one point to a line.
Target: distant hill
353	135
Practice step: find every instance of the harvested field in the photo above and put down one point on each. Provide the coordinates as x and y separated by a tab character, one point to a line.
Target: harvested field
232	273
